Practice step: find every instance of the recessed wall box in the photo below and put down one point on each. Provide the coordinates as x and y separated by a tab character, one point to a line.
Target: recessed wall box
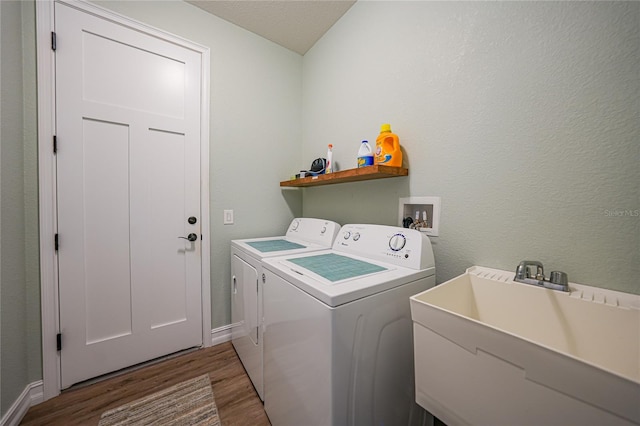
423	211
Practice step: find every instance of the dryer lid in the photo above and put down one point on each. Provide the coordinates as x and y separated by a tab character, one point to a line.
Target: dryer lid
274	245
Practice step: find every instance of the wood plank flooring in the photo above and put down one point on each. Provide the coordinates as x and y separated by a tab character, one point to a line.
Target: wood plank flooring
237	400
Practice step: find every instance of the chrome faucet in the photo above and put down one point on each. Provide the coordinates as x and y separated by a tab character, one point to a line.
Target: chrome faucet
557	280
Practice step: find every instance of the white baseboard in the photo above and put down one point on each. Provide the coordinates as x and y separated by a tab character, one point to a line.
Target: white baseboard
30	396
221	334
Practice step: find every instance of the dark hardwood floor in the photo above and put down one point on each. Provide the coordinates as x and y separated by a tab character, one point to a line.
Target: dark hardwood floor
237	400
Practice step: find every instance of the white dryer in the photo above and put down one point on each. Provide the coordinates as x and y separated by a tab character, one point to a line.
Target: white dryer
304	235
338	332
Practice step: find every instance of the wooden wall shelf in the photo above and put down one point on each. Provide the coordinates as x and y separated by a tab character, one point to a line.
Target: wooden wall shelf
351	175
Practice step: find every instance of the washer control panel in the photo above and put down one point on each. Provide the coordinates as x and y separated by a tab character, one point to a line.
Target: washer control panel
399	246
319	231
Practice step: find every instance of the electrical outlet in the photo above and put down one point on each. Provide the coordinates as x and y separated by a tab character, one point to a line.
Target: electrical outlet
228	217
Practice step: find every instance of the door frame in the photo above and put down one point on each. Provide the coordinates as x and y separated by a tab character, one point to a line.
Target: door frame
47	177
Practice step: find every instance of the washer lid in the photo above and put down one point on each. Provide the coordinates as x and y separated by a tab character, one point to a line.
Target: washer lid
335	268
367	276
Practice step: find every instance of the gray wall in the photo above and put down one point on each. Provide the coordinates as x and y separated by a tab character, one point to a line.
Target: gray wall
20	359
522	116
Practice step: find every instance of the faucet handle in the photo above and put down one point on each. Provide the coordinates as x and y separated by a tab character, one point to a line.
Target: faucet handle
559	277
522	271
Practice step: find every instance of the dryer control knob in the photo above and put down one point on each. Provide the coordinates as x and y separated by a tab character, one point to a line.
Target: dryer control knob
323	230
347	235
397	242
295	225
356	236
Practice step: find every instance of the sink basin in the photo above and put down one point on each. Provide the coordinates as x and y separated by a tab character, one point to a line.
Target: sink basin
489	350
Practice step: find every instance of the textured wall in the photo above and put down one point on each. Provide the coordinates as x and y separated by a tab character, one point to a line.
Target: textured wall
13	298
31	218
522	116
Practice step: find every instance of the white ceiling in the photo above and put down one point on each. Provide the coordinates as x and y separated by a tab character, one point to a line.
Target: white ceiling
294	24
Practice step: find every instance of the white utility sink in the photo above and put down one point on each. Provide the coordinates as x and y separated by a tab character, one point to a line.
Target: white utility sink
491	351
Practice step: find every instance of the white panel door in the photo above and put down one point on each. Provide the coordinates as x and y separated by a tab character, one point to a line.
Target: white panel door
128	161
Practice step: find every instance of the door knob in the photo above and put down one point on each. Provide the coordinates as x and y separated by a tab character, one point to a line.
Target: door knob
192	220
191	237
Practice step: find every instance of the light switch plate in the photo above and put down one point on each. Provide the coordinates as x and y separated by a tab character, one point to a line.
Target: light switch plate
228	217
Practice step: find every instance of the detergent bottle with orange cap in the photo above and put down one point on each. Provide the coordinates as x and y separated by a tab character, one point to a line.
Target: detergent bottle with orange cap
388	151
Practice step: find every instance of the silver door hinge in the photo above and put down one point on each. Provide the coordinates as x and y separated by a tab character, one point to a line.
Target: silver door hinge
59	341
53	41
55	242
55	144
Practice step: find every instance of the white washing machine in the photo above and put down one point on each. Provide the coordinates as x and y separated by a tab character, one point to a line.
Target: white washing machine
338	347
304	235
